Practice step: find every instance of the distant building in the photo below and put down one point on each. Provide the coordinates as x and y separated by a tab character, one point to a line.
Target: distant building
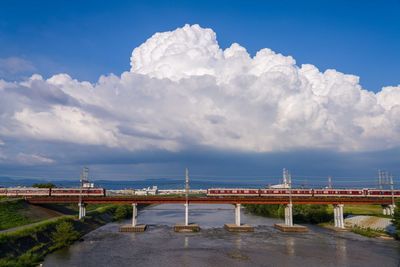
279	186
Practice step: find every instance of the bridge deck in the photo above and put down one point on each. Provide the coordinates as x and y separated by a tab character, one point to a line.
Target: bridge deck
210	200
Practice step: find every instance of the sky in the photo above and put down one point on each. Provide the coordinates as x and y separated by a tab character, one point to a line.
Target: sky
135	89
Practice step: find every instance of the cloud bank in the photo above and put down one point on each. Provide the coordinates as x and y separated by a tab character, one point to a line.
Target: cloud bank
183	90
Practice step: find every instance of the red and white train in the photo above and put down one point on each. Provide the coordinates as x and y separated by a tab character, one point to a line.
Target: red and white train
269	192
32	191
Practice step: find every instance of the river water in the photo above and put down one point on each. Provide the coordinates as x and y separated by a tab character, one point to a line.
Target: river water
214	246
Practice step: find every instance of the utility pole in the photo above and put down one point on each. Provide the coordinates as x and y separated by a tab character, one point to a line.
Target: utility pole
392	189
187	197
289	178
329	182
83	178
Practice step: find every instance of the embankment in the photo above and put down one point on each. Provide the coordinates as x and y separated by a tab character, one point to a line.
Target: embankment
17	212
28	246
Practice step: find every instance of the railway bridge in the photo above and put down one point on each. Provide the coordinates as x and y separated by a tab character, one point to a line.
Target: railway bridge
337	202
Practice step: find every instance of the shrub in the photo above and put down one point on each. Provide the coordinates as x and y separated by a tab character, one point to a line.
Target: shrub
65	234
122	212
301	213
311	213
396	220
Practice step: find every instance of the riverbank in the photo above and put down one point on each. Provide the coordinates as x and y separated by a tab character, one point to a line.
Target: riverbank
17	212
28	246
365	220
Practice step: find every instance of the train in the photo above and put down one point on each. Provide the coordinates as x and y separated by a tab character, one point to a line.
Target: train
299	192
220	192
33	191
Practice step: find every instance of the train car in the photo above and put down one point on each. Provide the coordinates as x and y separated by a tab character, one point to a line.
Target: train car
77	192
27	191
3	191
286	192
382	193
233	192
339	192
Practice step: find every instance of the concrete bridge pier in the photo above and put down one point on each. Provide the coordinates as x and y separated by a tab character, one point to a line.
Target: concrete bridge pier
338	216
237	214
288	226
134	214
238	227
386	210
186	227
82	210
134	227
391	209
289	214
186	214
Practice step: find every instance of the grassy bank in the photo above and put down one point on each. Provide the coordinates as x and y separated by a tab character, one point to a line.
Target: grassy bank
314	213
29	245
368	232
16	212
371	210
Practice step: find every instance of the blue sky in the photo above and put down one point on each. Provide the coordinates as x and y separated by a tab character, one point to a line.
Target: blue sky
87	39
90	38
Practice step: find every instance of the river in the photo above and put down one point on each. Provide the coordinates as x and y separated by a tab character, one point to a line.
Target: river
214	246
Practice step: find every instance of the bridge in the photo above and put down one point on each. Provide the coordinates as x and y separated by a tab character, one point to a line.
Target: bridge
337	202
208	200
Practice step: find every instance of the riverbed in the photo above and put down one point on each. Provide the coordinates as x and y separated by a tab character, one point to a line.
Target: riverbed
214	246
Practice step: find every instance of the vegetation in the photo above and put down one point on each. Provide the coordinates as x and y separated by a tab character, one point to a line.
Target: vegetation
368	232
122	212
44	185
28	245
11	215
17	212
371	210
301	213
396	220
65	234
311	213
274	211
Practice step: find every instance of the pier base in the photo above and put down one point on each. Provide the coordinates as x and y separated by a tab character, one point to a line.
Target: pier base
133	229
294	229
181	228
238	228
339	229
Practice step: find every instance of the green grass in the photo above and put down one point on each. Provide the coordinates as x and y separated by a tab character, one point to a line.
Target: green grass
368	232
372	210
28	245
12	214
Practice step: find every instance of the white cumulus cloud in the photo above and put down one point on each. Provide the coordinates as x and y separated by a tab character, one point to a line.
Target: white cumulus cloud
183	90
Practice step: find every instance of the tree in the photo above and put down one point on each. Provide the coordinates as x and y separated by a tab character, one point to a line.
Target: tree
44	185
65	234
122	212
396	220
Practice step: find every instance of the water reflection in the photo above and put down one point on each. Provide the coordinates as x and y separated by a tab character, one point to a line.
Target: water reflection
186	243
290	243
238	242
341	251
